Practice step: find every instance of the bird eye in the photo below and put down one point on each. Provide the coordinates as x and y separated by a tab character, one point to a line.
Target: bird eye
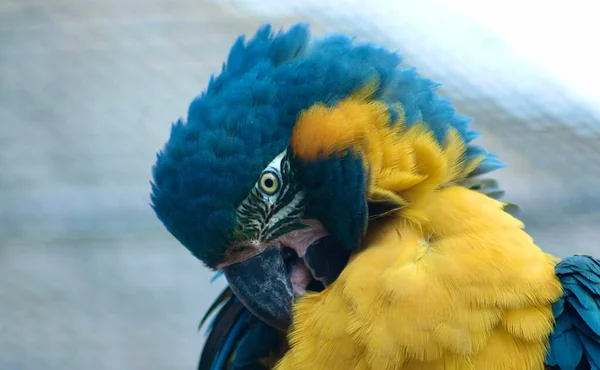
269	183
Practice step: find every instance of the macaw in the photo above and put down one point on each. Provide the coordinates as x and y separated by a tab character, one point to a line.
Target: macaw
342	199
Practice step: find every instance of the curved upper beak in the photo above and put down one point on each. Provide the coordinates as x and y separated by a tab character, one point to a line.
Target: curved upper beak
263	284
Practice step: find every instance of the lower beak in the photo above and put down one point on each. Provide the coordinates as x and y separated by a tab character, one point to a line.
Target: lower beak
262	283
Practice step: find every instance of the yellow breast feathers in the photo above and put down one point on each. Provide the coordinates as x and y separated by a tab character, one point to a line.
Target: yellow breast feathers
450	281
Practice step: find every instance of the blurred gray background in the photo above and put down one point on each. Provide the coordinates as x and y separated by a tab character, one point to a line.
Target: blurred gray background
88	89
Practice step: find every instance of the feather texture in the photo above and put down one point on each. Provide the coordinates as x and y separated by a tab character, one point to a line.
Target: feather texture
448	280
575	342
236	340
246	116
225	330
464	289
404	162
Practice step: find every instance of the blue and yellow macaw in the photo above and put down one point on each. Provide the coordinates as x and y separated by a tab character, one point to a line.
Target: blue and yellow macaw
341	197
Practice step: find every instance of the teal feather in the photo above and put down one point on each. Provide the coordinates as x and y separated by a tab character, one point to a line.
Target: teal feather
260	341
572	349
225	329
235	335
472	135
589	314
225	296
592	350
575	341
217	275
591	281
557	310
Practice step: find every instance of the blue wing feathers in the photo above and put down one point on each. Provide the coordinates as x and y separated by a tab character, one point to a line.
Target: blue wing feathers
575	342
592	351
579	264
571	349
228	346
236	340
230	320
225	329
258	343
591	315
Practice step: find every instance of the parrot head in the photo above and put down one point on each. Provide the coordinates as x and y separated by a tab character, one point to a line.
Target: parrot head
275	174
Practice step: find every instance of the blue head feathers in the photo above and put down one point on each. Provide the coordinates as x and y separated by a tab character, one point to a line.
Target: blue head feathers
246	116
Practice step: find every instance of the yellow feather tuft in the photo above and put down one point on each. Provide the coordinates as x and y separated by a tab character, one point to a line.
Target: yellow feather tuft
321	131
454	152
431	160
529	323
470	167
381	194
505	352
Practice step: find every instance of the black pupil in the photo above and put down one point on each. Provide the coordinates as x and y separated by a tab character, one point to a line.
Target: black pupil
269	183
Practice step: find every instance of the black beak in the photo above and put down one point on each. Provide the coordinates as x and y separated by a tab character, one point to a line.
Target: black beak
262	283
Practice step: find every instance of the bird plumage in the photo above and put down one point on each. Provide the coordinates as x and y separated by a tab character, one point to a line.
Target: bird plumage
465	289
422	266
236	339
575	341
246	115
